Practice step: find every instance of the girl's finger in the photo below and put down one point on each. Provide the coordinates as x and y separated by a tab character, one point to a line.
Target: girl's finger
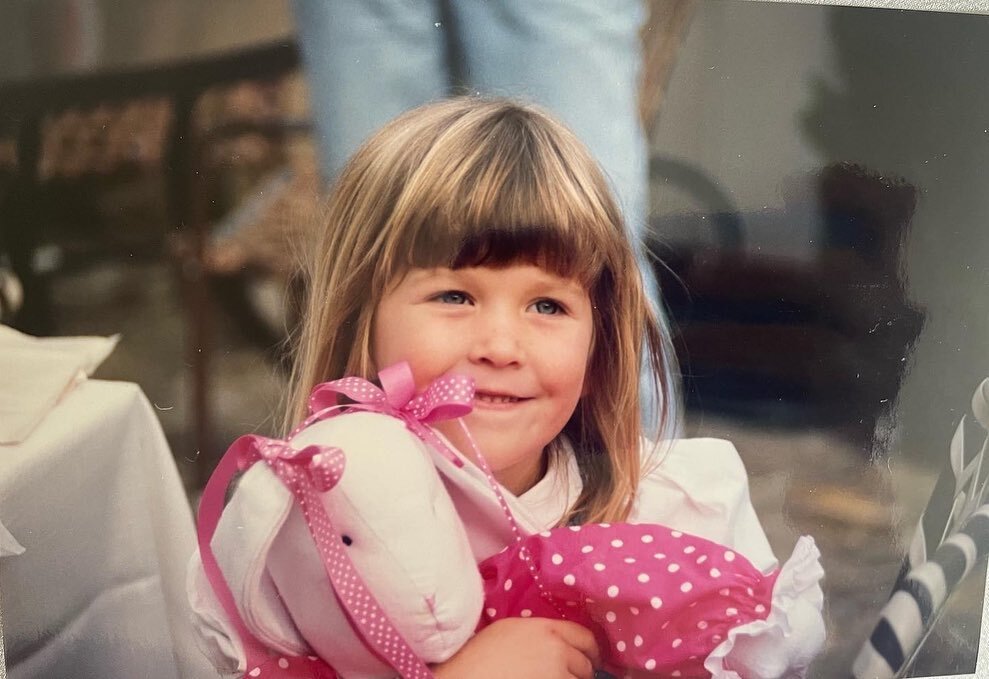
580	638
579	665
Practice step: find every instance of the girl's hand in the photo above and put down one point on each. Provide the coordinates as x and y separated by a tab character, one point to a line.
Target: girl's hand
539	648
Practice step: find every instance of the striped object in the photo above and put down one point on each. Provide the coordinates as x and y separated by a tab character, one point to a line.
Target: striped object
955	528
960	489
918	597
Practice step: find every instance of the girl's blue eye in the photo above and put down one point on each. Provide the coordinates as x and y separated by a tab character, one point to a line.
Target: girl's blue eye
452	297
548	306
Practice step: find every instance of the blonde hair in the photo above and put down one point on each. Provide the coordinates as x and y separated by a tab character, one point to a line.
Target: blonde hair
472	182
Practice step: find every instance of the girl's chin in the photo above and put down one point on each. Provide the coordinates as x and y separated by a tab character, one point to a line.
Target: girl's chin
513	471
517	475
518	481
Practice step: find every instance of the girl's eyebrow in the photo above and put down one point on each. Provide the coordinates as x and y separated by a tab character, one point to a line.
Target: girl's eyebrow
416	276
415	280
558	285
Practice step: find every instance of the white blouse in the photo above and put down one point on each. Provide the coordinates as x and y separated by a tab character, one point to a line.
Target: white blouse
695	485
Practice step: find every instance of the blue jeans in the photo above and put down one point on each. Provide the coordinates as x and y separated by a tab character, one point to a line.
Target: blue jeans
370	60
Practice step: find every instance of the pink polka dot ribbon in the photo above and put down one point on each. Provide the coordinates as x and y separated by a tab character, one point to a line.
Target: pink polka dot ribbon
446	398
322	465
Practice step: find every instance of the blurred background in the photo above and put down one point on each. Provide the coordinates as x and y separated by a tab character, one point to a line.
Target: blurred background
816	212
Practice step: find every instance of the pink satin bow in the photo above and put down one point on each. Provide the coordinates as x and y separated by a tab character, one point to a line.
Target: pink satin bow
322	464
445	398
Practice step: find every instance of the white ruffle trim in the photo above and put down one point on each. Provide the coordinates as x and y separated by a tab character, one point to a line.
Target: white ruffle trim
784	644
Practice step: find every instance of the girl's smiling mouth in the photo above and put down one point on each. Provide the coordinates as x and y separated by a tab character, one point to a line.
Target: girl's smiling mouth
494	398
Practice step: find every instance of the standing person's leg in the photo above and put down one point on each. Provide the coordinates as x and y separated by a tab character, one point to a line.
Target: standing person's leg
368	61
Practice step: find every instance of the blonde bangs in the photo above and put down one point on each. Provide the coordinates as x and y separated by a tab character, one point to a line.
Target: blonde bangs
510	199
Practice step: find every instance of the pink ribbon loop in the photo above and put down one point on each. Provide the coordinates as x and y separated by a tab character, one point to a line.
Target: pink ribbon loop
323	465
398	384
446	398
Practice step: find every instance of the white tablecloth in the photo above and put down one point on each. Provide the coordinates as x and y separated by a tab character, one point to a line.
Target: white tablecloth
95	498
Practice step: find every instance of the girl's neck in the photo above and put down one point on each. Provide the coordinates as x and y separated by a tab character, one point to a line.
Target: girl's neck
520	480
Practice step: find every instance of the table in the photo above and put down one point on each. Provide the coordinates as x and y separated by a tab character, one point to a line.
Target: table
95	498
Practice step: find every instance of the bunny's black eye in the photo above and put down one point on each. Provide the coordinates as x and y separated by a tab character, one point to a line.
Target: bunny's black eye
346	540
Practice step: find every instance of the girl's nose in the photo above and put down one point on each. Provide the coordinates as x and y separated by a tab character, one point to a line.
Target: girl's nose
496	342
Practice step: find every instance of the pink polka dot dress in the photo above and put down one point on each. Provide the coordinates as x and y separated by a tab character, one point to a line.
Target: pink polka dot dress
658	600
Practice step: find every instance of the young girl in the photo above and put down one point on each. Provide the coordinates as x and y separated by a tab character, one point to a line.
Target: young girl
479	238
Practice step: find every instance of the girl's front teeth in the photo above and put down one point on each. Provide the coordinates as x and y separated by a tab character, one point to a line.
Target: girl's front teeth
497	399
